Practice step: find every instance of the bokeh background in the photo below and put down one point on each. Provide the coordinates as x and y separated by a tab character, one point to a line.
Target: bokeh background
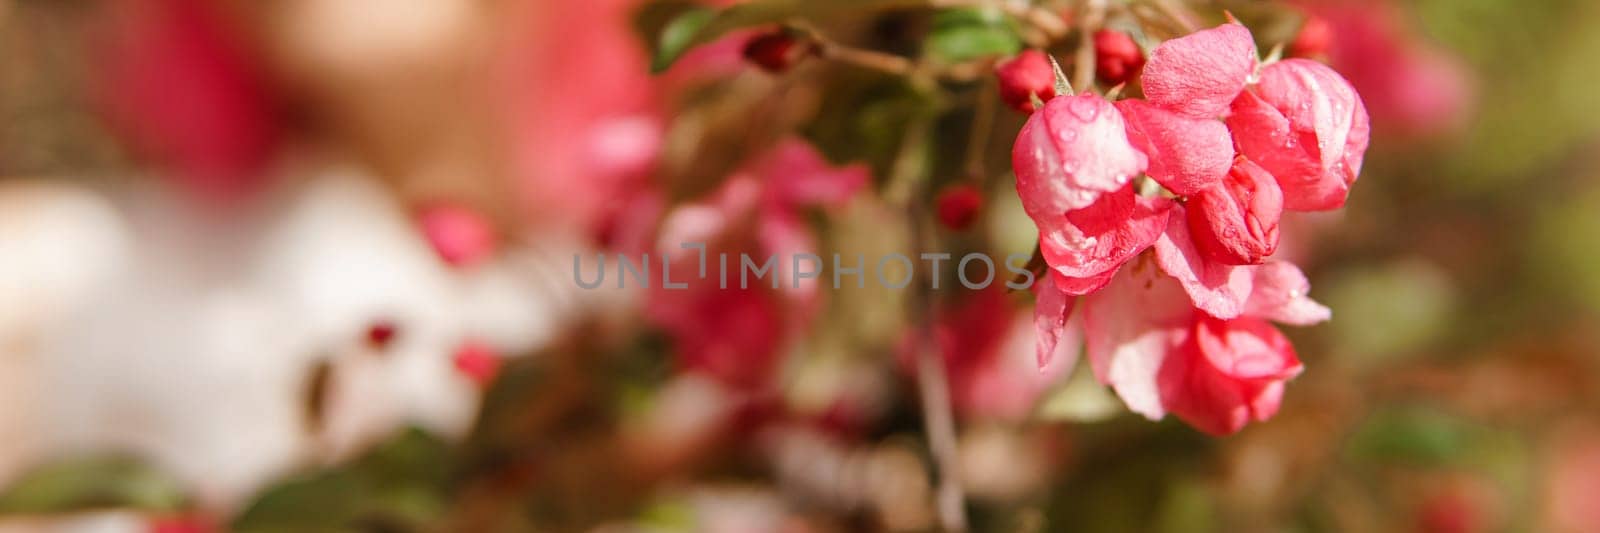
304	265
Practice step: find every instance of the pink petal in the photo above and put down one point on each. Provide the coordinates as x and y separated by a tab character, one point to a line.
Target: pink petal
1279	294
1199	74
1305	125
1050	316
1186	154
1089	244
1129	329
1070	153
1218	289
1246	348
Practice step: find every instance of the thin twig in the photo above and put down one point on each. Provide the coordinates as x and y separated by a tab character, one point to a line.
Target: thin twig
936	414
1083	64
906	182
1182	17
982	126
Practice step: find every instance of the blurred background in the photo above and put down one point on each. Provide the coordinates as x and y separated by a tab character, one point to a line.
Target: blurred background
306	265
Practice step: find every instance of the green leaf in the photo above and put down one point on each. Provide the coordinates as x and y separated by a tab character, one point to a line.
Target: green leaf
679	36
401	484
966	34
697	27
90	482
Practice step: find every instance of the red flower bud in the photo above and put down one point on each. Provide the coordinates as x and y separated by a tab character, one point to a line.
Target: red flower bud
477	361
1314	38
1235	222
1024	78
1116	57
775	52
958	206
380	334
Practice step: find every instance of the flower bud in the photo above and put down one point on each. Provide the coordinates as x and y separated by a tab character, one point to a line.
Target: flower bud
1306	126
1116	57
381	333
1228	373
958	206
1025	78
775	52
477	361
1235	222
462	237
1314	38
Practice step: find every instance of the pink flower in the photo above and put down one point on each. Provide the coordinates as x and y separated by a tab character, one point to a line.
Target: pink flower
1162	355
990	374
1411	86
1236	221
1226	373
1183	329
731	333
582	111
1308	127
1070	153
1199	74
1024	78
177	80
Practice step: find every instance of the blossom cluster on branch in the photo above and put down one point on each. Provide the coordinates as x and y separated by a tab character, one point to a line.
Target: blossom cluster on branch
1175	275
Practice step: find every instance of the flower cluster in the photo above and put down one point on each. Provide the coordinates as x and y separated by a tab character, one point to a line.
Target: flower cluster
1178	281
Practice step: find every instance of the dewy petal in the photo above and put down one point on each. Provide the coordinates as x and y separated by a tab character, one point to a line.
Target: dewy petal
1280	294
1186	154
1199	74
1129	330
1089	244
1050	314
1306	125
1070	153
1218	289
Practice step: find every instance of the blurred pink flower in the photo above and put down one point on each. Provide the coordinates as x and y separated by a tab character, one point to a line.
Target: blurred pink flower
1413	88
734	333
583	110
988	349
175	78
